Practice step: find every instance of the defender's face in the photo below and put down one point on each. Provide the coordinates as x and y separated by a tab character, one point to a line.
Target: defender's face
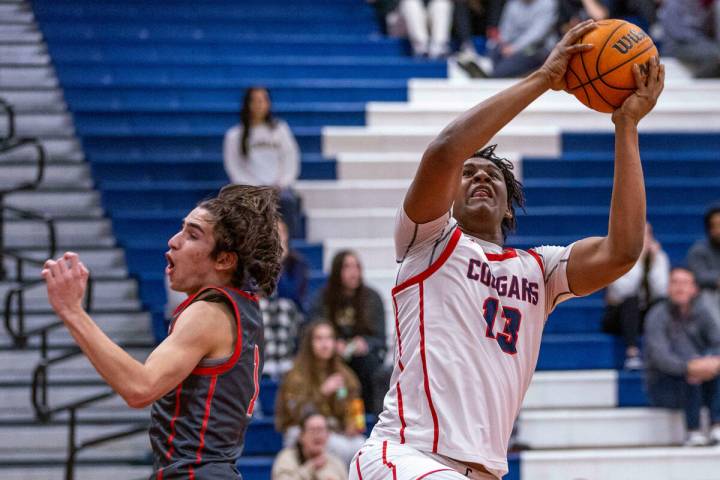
482	195
190	265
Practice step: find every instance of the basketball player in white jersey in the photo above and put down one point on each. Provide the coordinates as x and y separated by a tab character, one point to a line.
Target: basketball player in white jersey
469	313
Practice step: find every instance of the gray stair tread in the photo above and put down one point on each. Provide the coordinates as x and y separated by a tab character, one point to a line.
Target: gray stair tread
65	149
28	100
57	202
66	174
40	124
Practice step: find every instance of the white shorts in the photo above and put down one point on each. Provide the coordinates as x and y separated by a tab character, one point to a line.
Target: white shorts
378	459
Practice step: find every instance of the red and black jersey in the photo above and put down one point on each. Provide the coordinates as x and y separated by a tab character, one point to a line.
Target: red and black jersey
197	430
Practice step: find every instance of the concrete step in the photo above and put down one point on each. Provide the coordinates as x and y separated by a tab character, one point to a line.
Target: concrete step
536	141
572	389
325	223
56	148
84	203
598	428
622	464
56	174
28	76
470	92
31	99
568	117
39	124
374	253
377	166
15	13
23	362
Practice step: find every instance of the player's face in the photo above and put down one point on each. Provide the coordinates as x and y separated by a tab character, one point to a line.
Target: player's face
682	288
482	196
714	228
190	265
351	273
323	342
315	436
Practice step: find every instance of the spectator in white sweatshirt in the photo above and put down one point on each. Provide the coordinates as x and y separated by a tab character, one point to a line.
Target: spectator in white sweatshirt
630	297
261	150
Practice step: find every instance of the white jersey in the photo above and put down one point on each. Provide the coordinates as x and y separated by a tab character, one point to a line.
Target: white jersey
469	317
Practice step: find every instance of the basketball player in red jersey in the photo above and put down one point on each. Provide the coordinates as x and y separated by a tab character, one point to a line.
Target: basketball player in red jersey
469	313
202	380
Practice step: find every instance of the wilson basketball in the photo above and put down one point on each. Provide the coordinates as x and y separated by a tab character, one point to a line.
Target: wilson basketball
602	78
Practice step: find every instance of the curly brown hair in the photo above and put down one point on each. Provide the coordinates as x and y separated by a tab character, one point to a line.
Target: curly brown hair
245	223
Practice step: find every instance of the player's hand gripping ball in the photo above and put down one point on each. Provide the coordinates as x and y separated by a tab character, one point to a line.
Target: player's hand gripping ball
602	77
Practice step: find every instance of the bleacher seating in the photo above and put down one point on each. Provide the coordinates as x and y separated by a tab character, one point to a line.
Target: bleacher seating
153	86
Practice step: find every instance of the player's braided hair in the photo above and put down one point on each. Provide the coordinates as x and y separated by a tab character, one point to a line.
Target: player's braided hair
515	195
245	223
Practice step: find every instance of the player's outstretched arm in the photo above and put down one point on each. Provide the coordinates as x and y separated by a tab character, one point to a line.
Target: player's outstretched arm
170	363
596	262
433	189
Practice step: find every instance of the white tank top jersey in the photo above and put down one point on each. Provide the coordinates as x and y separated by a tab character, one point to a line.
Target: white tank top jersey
469	317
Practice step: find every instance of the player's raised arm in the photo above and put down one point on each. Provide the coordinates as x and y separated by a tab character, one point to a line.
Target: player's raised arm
433	189
197	332
595	262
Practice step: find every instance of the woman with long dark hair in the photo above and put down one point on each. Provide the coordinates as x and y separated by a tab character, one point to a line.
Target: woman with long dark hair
261	150
319	381
357	313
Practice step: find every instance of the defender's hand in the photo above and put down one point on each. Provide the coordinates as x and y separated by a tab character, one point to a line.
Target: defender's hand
556	64
66	280
649	88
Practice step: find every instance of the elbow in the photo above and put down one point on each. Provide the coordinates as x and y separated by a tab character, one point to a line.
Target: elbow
138	398
439	151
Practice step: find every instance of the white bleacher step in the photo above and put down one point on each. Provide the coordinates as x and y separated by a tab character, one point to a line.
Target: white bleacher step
31	76
84	231
105	262
26	35
56	174
597	428
24	55
387	166
19	364
124	325
572	116
325	223
374	253
14	400
58	202
572	389
39	124
102	289
56	148
538	141
82	472
11	13
352	193
669	463
32	99
51	440
470	92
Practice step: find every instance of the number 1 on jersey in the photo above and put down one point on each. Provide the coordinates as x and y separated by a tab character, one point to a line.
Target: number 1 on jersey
507	339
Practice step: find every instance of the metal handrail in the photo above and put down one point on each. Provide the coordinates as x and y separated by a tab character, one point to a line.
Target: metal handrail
10	111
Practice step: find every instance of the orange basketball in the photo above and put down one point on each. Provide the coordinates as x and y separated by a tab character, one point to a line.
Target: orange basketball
602	78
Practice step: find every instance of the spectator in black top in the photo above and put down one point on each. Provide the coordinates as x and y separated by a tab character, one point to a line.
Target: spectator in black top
293	281
572	12
357	313
704	261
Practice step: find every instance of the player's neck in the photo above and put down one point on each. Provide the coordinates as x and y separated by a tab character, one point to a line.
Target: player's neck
495	237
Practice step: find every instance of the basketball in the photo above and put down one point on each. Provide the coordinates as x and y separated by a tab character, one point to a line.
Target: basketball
602	78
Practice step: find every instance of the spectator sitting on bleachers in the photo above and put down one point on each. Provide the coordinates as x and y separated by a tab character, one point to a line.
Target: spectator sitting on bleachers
704	261
630	297
572	12
465	13
358	315
293	281
690	33
682	355
261	150
645	9
526	35
319	381
428	24
309	459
